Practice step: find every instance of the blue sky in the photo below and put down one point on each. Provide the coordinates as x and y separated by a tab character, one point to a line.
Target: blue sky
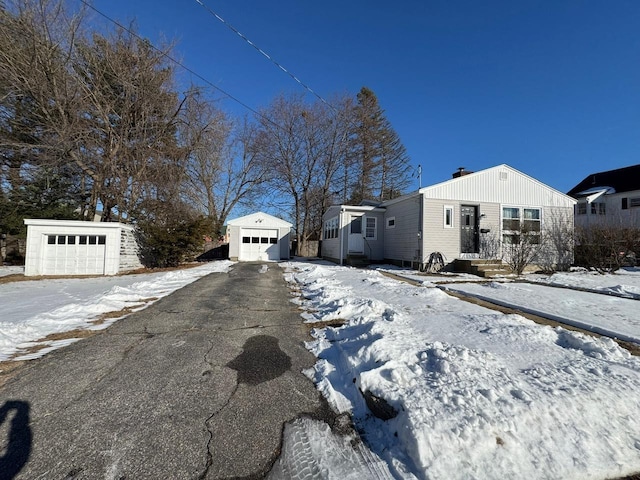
551	87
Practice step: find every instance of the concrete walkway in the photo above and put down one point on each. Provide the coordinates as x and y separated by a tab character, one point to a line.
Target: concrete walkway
198	385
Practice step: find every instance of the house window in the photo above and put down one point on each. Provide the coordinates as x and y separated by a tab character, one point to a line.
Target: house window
510	219
71	239
391	222
581	208
602	208
448	216
331	228
246	239
531	221
273	240
625	203
594	208
370	228
62	239
356	225
634	202
520	222
102	239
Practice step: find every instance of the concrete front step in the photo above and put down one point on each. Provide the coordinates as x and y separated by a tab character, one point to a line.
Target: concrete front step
481	267
359	261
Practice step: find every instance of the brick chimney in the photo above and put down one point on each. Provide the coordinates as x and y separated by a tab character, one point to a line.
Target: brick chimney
461	172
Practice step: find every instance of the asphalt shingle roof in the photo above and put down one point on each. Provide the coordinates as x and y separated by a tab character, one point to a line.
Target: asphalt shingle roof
622	180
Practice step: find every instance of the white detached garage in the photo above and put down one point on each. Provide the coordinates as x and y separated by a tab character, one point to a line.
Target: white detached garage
259	237
73	247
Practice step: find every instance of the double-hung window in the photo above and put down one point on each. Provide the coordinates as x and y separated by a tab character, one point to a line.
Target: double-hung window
370	231
520	223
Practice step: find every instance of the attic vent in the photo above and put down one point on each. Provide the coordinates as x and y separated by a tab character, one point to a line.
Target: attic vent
504	175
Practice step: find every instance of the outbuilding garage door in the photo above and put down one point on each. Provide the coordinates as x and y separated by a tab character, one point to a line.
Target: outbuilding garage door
257	244
74	255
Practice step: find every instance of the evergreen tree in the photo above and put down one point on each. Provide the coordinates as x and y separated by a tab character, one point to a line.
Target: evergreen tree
383	170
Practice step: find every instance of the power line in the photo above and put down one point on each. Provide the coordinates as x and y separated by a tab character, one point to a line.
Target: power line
180	64
262	52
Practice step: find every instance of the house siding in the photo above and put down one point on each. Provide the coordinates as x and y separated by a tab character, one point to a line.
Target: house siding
401	243
615	216
446	241
500	184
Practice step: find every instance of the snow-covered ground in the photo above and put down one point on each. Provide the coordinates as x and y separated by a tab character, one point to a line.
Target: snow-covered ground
599	313
473	393
623	283
30	310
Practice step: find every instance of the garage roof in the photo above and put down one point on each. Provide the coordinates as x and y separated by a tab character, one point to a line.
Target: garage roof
259	220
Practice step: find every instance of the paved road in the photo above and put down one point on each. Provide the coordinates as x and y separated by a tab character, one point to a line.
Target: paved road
198	385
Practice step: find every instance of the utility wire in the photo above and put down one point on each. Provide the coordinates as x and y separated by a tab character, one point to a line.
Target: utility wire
263	53
177	62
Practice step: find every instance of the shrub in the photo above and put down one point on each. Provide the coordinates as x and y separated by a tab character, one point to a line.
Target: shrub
172	242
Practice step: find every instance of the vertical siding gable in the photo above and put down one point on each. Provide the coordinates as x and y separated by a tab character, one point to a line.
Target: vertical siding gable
501	184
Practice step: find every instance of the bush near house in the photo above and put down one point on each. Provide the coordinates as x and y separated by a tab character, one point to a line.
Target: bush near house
607	248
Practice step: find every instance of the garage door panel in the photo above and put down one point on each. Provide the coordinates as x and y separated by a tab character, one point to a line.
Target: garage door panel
74	255
259	244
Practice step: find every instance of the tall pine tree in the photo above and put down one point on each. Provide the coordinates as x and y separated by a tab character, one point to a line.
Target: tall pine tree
378	155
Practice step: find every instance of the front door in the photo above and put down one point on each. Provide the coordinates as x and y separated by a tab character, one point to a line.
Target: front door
356	241
469	239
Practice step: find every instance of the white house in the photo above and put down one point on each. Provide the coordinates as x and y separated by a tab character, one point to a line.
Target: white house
462	218
73	247
611	198
259	237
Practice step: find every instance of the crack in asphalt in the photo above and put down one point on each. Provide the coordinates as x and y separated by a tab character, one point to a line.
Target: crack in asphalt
207	422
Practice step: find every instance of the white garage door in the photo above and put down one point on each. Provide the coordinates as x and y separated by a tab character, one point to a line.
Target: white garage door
74	255
257	244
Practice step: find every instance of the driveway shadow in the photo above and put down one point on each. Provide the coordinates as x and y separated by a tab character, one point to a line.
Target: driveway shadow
17	445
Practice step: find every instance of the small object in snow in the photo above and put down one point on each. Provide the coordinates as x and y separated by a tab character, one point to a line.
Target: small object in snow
379	406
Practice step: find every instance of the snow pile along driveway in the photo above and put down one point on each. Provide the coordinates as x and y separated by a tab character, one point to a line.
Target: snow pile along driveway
468	392
32	310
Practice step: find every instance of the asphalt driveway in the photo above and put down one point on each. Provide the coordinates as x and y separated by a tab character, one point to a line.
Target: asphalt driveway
198	385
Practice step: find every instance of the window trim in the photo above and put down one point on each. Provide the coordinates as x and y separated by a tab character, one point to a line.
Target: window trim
451	209
391	222
521	220
366	227
331	228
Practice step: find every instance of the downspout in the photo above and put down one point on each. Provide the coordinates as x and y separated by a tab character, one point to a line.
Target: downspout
341	236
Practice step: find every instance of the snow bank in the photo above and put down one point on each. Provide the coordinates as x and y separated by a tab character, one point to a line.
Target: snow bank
623	283
602	314
477	394
31	310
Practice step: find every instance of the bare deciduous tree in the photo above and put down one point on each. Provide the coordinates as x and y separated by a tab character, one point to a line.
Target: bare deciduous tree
223	169
306	149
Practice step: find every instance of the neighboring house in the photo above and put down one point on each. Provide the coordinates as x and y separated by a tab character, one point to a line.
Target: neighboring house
470	216
73	247
609	198
259	237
